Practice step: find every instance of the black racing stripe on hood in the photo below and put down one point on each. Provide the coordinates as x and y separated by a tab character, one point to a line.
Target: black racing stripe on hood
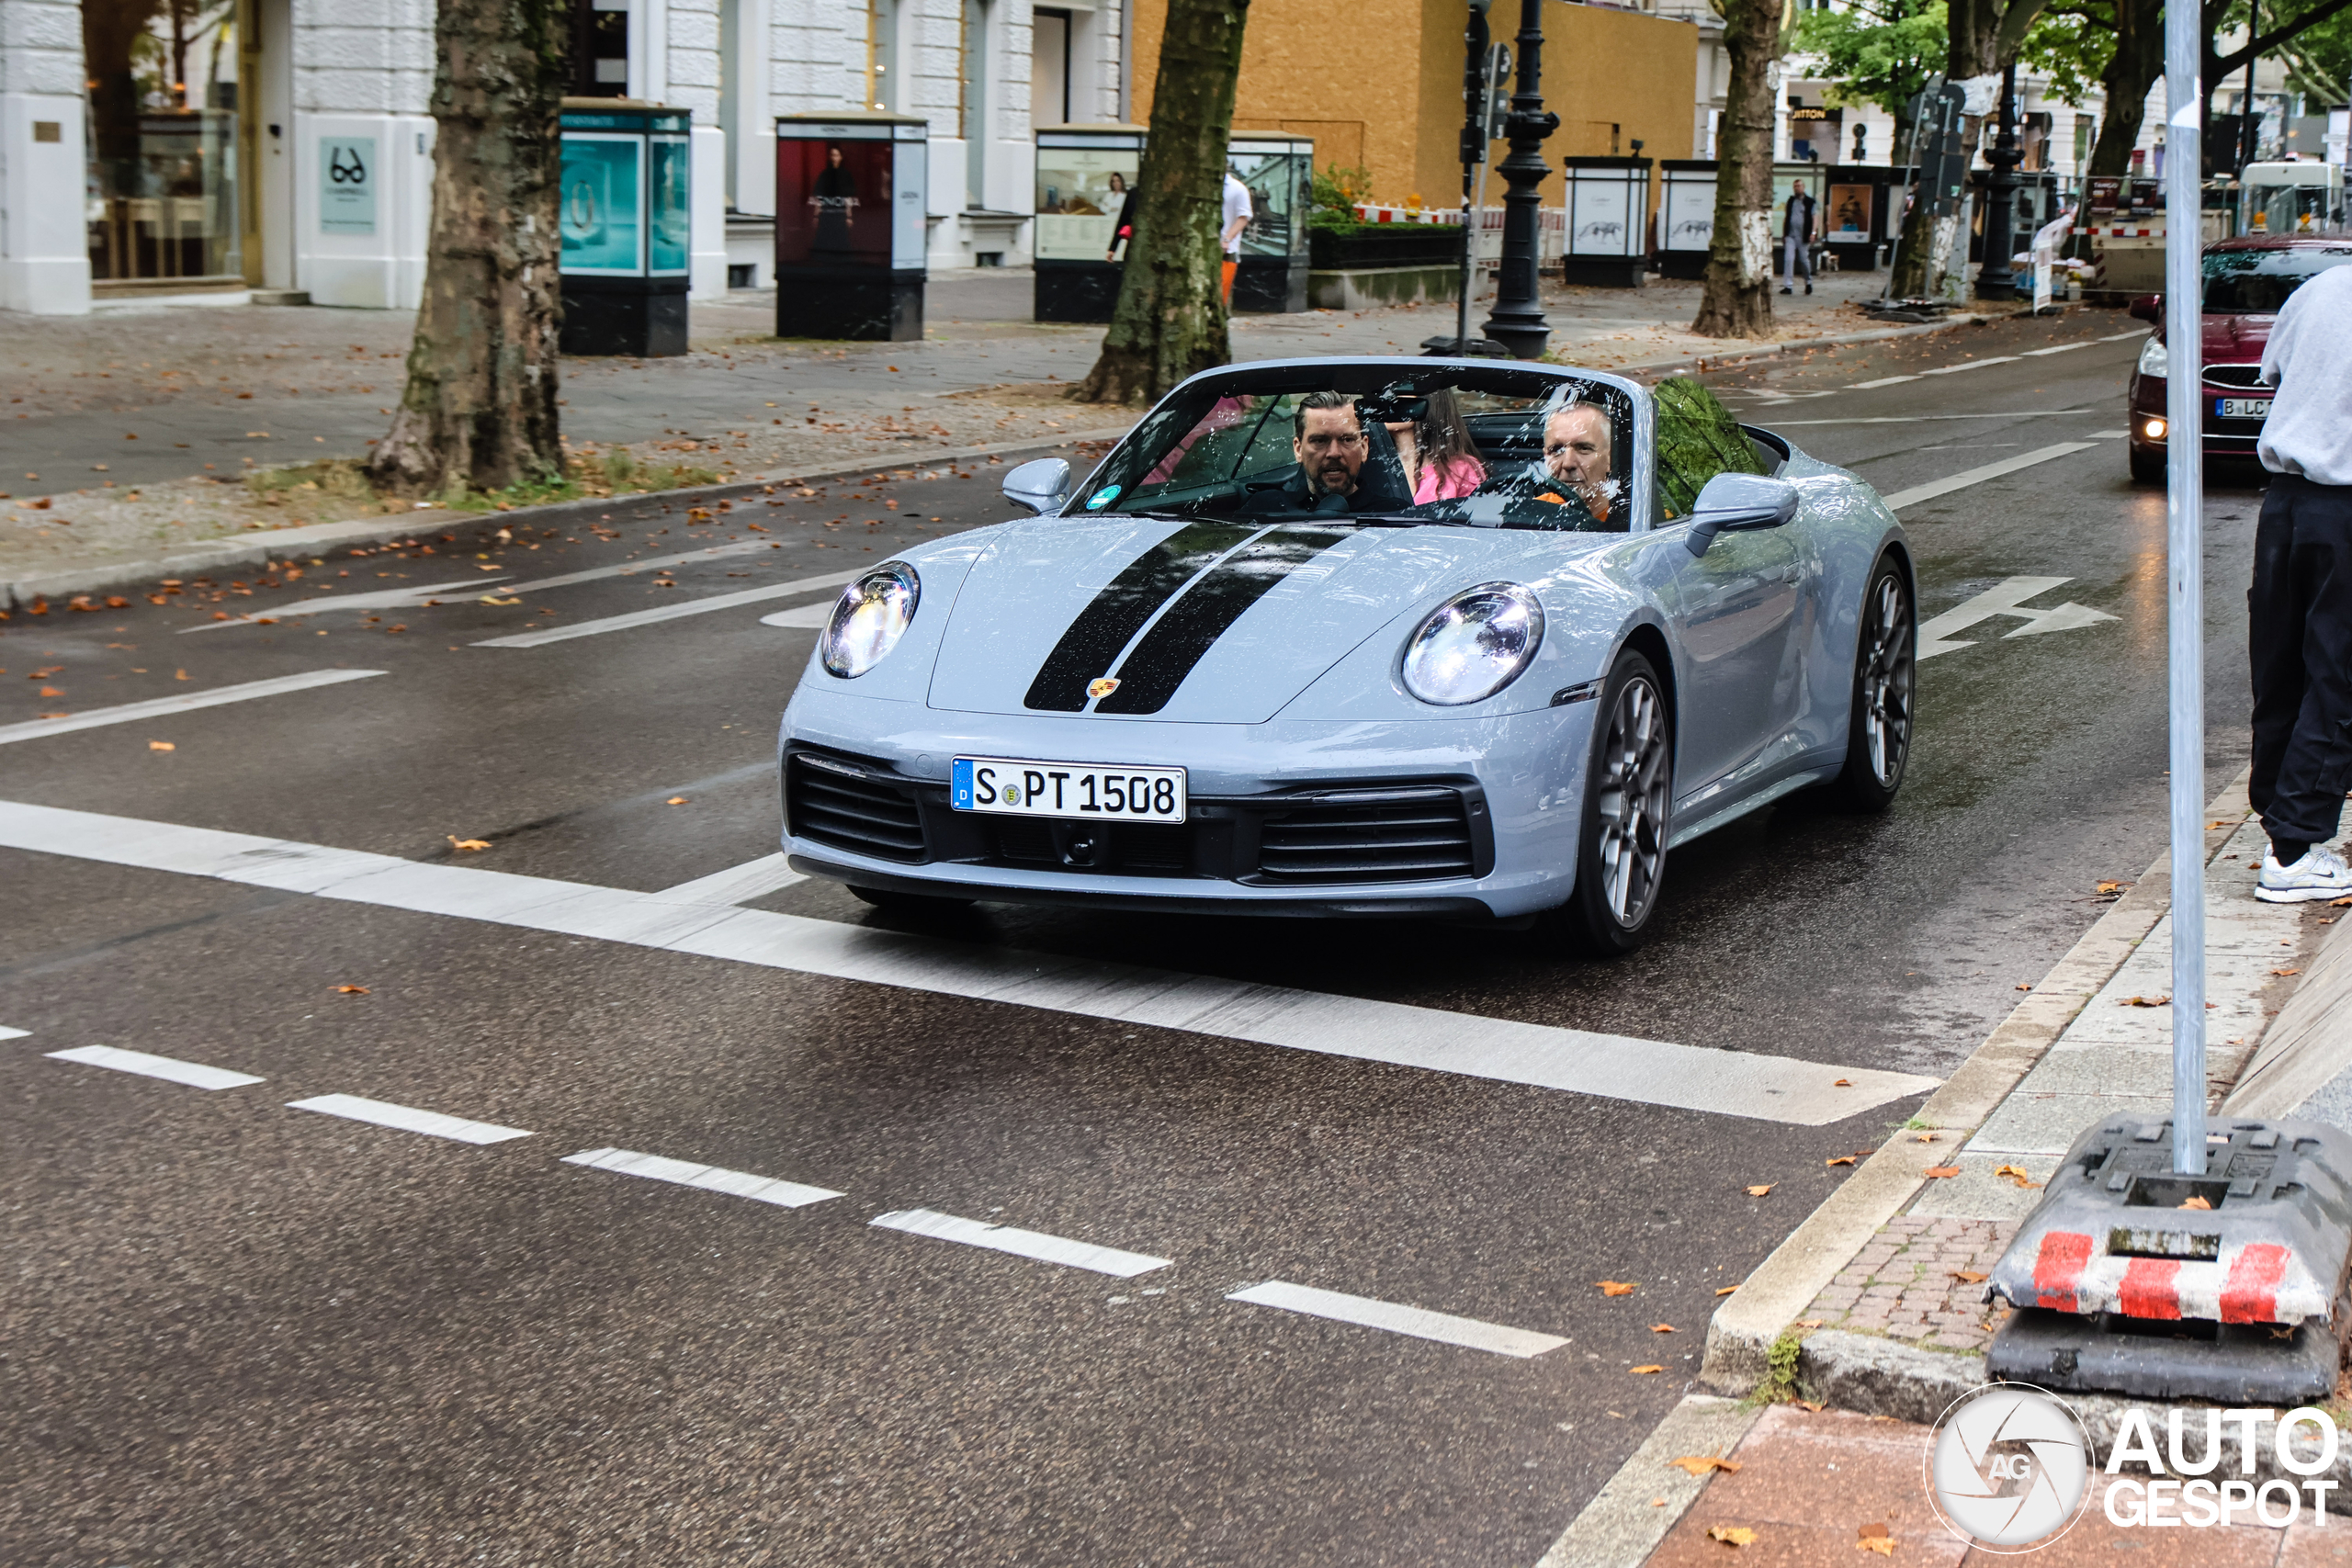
1126	601
1182	637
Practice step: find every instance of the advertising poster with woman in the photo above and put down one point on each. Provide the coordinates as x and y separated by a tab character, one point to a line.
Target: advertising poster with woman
833	202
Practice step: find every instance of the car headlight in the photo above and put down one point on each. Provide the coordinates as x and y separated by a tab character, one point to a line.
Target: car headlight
2153	360
1473	645
871	618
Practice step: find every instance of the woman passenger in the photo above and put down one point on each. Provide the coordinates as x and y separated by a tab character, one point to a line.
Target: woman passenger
1441	462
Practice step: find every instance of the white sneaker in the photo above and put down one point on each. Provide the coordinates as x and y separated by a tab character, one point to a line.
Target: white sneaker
2321	874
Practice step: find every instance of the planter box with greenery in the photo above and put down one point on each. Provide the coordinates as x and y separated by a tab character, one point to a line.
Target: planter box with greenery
1339	246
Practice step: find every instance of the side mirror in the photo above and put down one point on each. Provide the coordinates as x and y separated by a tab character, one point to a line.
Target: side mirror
2147	307
1041	485
1739	500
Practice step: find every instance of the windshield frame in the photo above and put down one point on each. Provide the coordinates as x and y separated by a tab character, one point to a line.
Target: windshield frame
1367	374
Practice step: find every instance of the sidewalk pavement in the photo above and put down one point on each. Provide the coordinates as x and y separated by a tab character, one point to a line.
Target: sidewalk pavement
1880	1293
129	432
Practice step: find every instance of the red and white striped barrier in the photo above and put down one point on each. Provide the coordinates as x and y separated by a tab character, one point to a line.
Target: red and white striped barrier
2254	1283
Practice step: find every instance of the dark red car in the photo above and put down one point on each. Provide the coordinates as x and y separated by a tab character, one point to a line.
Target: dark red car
2246	282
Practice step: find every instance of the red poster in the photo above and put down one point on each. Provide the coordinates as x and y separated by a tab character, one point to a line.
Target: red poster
833	202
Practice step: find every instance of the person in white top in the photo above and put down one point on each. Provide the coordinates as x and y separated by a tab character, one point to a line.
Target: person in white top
1237	213
2300	624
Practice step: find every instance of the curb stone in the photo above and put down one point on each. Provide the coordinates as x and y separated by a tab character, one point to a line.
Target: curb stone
1740	1334
1622	1526
258	546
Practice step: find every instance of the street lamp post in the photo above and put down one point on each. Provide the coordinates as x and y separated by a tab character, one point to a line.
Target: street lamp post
1518	321
1994	279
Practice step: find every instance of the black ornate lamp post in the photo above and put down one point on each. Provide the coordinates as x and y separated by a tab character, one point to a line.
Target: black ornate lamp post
1994	279
1518	321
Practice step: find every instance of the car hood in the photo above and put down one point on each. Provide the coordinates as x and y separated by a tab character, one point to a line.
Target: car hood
1202	622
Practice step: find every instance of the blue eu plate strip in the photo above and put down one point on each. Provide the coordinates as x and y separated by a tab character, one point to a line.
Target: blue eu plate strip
959	784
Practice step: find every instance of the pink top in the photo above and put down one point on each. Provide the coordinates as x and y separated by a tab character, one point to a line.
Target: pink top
1448	480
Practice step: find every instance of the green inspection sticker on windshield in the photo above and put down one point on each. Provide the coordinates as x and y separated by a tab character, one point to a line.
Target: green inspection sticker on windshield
1102	498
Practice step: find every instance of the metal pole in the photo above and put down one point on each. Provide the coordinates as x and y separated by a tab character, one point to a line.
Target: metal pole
2184	542
1473	152
1518	321
1995	280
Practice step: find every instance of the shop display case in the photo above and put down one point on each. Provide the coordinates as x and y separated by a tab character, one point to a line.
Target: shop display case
1608	220
850	226
624	222
1280	171
1086	181
1686	216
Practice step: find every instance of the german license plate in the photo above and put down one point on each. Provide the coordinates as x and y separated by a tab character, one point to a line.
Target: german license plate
1010	786
2242	407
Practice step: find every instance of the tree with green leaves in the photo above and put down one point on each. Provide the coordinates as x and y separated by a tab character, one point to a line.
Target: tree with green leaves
1879	51
1736	298
2289	26
479	408
1981	37
1170	321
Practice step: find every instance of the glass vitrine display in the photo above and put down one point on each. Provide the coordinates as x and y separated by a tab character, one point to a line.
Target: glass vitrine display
625	217
1085	196
851	226
1608	221
1280	171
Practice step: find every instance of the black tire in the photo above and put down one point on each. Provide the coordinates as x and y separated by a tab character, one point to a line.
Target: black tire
2147	468
1884	709
912	904
1628	803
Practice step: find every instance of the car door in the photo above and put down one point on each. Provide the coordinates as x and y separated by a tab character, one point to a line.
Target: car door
1735	613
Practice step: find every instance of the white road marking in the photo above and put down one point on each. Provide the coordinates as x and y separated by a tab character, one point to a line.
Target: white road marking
1443	1328
1881	381
2118	337
406	1118
163	707
806	617
1926	418
1024	1243
1970	365
1650	1072
735	884
8	1034
377	599
2006	599
708	1178
195	1075
1969	477
2056	348
671	612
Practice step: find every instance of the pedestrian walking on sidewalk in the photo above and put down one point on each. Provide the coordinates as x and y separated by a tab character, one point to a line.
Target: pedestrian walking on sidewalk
2300	603
1237	213
1796	240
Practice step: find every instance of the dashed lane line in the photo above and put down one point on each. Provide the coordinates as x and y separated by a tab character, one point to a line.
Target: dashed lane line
1930	418
195	1075
1023	1244
374	599
735	884
189	702
1421	1323
1970	365
1969	477
703	606
706	1178
8	1034
407	1118
1652	1072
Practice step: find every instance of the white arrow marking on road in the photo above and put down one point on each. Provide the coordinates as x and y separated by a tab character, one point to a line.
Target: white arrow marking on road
2008	599
163	707
1500	1050
1968	477
8	1034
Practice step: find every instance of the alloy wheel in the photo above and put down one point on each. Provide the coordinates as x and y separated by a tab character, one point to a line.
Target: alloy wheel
1632	801
1889	669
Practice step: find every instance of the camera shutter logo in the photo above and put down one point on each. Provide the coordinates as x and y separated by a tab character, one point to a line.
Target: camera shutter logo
2008	1468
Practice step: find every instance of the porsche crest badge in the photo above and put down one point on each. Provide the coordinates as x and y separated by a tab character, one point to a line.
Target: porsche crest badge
1101	686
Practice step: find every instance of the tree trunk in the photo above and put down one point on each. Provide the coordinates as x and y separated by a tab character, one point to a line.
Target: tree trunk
1737	298
2138	60
1170	321
480	410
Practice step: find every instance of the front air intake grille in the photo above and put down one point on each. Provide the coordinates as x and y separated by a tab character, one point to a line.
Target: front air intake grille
1136	848
1393	835
851	805
2233	375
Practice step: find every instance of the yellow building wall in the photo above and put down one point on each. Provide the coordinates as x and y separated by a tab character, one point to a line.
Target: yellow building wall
1378	84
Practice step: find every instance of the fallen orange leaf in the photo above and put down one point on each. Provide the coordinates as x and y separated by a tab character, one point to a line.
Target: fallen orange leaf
1644	1372
1701	1464
1759	1191
675	800
1841	1159
1614	1287
1967	1276
1662	1329
2284	972
1941	1171
1843	1083
353	990
159	746
466	845
1727	1290
2197	1203
1813	1405
1731	1535
2017	1174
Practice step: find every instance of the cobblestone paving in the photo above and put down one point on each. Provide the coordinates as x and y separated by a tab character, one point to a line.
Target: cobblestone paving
1911	1284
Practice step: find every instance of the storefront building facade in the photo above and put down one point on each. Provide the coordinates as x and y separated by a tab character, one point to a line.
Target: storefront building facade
206	149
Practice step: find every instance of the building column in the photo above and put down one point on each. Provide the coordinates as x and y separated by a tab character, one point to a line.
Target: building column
44	160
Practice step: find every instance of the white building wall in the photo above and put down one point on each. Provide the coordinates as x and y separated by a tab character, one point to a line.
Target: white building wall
360	73
44	262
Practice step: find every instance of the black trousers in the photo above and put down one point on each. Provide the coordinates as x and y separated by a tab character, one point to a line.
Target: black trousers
2300	632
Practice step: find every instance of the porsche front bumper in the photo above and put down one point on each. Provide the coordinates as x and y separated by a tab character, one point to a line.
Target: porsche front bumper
1448	819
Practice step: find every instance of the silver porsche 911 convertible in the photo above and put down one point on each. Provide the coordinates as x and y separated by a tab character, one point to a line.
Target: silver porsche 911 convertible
1437	638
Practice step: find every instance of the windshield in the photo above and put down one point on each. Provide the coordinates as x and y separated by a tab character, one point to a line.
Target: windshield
2258	282
1488	448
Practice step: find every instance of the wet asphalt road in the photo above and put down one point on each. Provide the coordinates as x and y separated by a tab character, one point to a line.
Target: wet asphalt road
232	1332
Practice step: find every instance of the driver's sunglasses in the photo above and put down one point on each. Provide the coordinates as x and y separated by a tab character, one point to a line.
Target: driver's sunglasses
1324	441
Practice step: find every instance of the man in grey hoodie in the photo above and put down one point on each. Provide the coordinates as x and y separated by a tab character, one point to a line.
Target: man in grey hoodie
2300	603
